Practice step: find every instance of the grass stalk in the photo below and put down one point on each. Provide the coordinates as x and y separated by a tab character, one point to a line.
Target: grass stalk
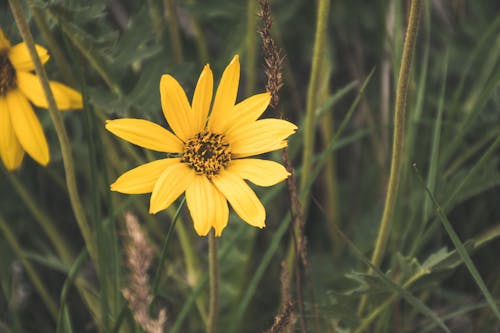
398	138
173	29
309	124
251	47
62	135
214	282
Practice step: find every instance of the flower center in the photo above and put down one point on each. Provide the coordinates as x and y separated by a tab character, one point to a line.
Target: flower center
7	74
207	153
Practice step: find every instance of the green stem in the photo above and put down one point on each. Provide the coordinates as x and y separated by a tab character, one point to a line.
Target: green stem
173	28
59	126
398	138
214	276
251	46
309	124
163	255
35	278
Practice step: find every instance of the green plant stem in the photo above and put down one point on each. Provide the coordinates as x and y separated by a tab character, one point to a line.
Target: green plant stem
62	135
214	282
309	123
163	255
251	46
398	139
173	28
43	220
35	278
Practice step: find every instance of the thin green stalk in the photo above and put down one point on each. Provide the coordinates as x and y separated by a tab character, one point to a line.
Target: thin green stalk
43	220
33	274
251	46
163	255
173	28
59	126
214	282
309	132
398	138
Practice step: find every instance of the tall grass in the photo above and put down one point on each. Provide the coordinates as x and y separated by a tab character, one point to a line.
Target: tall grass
63	234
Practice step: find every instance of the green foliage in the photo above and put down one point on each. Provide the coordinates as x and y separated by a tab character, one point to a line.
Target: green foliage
440	271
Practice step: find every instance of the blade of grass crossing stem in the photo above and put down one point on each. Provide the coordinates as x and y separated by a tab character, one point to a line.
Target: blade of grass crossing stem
163	255
331	101
70	279
321	163
460	248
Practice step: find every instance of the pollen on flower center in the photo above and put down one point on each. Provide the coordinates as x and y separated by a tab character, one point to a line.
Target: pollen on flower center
7	74
207	153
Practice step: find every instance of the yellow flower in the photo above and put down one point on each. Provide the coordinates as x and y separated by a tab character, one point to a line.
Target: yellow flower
20	129
210	165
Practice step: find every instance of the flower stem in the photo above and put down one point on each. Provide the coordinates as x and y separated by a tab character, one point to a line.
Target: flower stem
398	138
59	126
319	45
173	28
214	279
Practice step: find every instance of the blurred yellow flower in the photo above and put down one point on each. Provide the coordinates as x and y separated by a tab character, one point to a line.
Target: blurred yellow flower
210	165
20	129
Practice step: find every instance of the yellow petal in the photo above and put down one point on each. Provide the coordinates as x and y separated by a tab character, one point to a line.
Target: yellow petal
27	127
241	197
20	58
143	178
176	108
249	110
11	151
259	172
207	206
66	97
172	182
145	134
259	137
4	42
202	98
225	97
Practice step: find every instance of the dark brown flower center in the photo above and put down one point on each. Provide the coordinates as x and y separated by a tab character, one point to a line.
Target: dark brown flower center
7	74
207	153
